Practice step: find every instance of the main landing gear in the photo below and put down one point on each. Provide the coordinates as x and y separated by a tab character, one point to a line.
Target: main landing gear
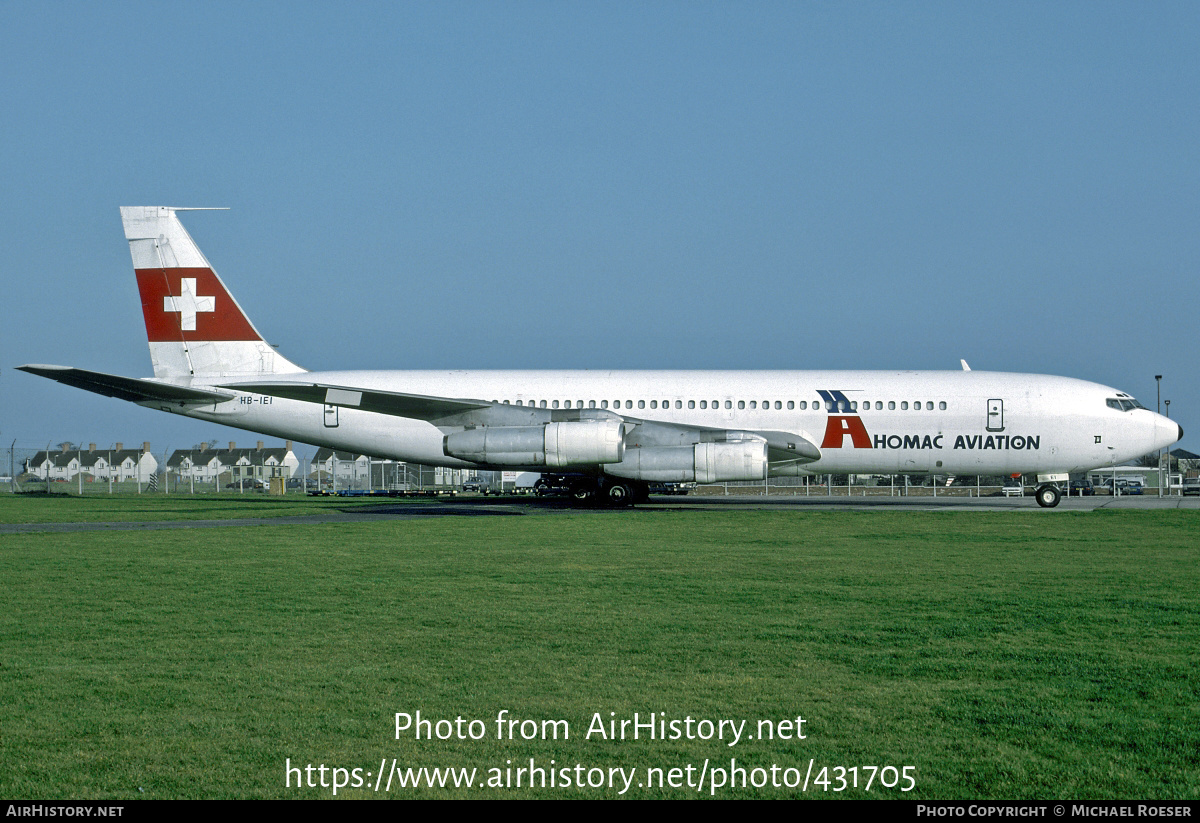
612	492
1047	495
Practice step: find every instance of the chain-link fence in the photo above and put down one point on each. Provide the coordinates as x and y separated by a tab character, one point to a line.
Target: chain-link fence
66	469
63	469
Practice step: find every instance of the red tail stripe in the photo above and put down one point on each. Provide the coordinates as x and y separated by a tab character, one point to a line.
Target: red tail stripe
215	319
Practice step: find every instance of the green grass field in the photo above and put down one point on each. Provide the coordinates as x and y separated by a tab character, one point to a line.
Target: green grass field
1002	655
64	506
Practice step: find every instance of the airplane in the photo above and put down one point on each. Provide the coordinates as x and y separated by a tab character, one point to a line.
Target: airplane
611	433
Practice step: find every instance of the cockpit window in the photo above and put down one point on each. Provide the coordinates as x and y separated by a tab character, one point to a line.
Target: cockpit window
1123	404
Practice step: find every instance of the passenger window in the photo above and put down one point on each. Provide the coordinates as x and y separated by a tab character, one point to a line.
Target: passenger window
629	404
929	406
891	405
691	404
641	404
904	405
942	405
591	404
729	404
654	404
604	404
741	404
543	404
778	405
854	405
679	404
828	405
803	405
556	403
791	403
753	404
704	404
878	405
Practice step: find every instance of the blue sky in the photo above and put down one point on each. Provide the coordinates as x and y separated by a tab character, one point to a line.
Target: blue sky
618	185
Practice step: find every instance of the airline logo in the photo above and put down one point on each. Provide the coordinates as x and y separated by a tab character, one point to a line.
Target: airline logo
189	304
840	425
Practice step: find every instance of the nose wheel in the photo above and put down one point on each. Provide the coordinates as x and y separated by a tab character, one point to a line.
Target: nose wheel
1047	496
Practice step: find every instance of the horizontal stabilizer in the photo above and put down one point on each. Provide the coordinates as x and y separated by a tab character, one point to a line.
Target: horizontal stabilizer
416	406
125	388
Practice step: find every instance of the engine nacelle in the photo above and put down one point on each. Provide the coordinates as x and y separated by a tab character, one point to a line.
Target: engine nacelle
701	463
555	445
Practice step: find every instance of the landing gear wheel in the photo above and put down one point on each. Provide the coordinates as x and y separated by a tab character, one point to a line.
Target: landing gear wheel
582	494
619	494
641	492
1047	496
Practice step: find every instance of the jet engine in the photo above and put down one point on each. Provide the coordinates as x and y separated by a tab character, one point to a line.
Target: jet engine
701	463
555	445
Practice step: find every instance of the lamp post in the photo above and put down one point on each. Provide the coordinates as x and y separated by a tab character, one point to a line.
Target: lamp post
1167	410
1158	408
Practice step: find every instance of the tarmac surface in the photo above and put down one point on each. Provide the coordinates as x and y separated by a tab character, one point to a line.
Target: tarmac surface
519	506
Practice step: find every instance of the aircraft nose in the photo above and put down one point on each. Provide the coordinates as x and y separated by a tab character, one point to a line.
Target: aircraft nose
1166	432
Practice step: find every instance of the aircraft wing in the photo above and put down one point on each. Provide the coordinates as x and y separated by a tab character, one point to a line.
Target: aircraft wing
125	388
397	404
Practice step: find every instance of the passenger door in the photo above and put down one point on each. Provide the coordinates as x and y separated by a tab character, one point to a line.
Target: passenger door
995	415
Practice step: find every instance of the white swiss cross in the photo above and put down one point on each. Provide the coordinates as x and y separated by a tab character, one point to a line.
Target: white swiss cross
187	303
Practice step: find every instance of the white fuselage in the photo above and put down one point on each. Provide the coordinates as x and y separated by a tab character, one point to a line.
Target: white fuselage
944	422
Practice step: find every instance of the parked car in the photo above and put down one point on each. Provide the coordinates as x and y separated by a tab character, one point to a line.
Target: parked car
1191	485
1082	488
475	485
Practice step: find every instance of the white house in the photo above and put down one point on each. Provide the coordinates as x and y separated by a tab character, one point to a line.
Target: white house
205	465
117	463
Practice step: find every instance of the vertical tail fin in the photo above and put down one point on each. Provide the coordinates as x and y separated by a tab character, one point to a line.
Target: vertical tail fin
193	324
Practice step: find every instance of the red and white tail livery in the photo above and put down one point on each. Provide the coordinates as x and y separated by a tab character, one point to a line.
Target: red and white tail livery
195	327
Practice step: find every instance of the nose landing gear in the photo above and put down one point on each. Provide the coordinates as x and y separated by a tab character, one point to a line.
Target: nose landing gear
1047	496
